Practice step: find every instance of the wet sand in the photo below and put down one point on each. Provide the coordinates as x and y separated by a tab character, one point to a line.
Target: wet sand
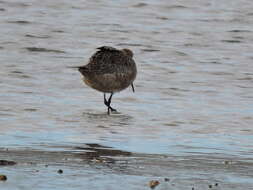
190	119
95	166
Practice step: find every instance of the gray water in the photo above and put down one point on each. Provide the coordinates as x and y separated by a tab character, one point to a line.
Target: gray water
192	111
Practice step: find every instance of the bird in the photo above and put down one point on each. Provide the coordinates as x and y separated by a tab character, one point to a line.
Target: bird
109	70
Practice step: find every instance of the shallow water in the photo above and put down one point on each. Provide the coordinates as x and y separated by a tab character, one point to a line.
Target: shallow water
192	109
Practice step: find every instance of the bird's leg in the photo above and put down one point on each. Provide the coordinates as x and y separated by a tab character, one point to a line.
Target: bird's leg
133	87
107	103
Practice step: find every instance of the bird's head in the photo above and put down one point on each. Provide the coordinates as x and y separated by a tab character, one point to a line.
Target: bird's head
128	52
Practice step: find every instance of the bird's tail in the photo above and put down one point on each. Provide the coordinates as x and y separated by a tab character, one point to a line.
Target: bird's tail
81	69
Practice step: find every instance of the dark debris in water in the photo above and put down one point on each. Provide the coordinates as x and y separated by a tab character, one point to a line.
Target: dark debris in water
181	53
34	36
171	124
179	89
176	7
215	62
150	50
166	179
3	177
2	9
30	109
7	163
235	31
221	73
211	62
140	5
19	74
60	171
227	162
232	41
188	44
58	31
36	49
162	18
153	183
19	22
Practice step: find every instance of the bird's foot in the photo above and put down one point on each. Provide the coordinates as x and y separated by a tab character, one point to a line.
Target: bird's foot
110	109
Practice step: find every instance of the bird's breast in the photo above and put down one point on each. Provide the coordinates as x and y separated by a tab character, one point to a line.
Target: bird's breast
110	82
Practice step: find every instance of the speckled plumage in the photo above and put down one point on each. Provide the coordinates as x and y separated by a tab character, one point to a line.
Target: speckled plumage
110	70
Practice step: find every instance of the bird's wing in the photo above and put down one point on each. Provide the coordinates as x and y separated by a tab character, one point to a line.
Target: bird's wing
107	61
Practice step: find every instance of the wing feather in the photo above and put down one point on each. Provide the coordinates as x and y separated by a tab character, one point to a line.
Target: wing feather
109	61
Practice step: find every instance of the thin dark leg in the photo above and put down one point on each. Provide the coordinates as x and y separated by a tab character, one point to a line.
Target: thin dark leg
105	101
108	103
133	87
108	110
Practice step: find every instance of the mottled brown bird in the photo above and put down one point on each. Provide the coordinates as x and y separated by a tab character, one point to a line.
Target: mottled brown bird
109	70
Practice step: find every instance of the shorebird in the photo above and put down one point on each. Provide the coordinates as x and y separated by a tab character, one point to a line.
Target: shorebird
109	70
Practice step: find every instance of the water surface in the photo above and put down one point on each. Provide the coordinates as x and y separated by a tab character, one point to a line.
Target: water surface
191	112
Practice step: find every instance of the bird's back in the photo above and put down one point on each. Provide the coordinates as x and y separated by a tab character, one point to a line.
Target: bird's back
109	60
